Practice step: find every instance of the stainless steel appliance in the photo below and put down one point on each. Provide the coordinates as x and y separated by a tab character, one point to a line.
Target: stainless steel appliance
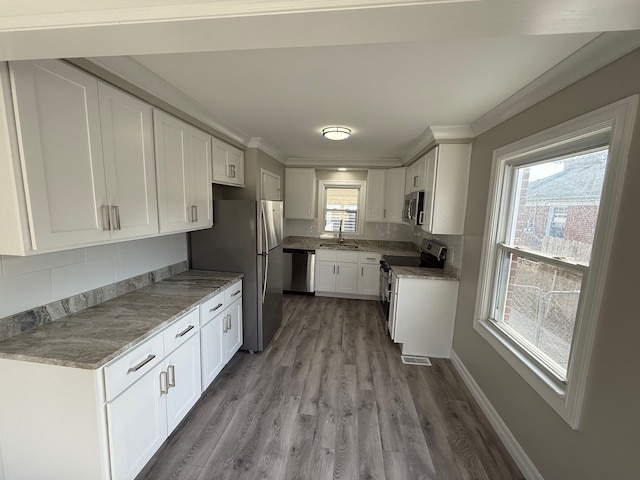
433	254
247	237
298	270
413	212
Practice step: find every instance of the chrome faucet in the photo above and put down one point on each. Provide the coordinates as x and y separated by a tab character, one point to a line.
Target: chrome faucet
340	235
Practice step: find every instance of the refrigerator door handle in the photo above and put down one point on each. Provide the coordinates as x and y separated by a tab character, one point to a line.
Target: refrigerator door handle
266	275
264	228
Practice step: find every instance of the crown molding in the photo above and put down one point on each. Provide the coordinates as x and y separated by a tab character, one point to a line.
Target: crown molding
599	52
360	163
438	134
261	144
139	76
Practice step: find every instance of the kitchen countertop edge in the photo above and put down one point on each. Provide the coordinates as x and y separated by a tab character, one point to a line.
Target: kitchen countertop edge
230	277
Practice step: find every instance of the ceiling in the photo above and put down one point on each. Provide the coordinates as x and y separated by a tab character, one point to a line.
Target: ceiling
281	70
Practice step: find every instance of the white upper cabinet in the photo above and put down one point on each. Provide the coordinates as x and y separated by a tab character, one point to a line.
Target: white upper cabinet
270	185
416	175
394	195
446	184
183	164
58	126
228	164
300	193
83	170
375	195
385	195
127	143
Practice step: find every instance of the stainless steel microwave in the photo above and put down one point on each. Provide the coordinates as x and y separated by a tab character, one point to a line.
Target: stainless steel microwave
413	212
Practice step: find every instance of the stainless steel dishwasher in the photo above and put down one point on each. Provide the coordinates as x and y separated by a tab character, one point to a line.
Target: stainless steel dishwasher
298	270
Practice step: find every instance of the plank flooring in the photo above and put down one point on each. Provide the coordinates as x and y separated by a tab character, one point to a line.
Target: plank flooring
330	398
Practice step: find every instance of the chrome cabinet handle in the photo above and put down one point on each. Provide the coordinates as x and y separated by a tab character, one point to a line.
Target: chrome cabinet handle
213	309
106	220
421	217
141	364
338	272
164	383
235	293
194	213
308	210
371	258
185	331
115	212
171	373
228	323
232	171
334	269
362	271
224	324
384	214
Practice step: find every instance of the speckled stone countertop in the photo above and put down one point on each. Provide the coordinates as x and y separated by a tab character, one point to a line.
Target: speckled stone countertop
419	272
384	247
90	338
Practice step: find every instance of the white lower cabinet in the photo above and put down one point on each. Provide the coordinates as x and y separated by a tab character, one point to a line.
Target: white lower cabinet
352	274
221	332
106	424
137	425
422	315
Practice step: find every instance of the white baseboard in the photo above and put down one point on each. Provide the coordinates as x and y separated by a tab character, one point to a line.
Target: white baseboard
518	454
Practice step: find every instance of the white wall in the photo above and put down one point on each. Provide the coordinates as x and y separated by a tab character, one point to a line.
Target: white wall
28	282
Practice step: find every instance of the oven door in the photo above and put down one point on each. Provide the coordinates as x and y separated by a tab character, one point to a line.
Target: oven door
384	290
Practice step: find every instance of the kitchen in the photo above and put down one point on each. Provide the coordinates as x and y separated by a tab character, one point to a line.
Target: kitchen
27	281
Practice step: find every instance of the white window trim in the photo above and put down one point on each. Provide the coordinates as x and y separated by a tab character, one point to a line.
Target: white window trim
618	120
322	185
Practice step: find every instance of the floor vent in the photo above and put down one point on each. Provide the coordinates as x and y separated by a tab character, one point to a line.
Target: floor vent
413	360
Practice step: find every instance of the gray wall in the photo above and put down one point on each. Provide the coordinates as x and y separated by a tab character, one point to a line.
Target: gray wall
606	445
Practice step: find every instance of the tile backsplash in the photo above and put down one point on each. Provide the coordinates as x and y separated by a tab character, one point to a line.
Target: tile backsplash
33	281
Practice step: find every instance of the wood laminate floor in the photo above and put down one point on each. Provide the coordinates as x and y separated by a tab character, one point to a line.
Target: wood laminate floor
330	398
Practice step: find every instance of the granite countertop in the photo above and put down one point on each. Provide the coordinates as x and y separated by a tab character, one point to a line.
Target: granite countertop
90	338
420	272
384	247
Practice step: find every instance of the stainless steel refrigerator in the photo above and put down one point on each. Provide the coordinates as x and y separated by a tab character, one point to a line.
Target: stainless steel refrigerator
247	237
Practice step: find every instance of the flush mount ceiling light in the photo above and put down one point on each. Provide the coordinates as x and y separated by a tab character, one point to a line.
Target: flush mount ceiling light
336	133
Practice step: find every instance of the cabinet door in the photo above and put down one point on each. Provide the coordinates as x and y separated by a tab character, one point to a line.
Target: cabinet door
375	195
347	277
199	174
137	422
233	335
57	112
235	160
127	144
394	194
270	186
183	377
300	190
325	276
429	190
172	173
369	280
220	165
212	349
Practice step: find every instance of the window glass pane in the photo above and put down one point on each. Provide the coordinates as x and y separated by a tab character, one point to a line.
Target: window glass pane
540	308
341	204
556	205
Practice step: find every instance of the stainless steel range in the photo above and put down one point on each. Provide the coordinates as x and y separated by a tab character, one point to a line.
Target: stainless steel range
433	254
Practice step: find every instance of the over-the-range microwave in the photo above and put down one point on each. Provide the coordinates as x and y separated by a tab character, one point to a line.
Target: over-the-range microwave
413	212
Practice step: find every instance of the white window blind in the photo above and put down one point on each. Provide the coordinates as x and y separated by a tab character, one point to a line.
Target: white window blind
341	203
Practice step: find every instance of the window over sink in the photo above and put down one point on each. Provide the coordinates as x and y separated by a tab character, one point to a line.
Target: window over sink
341	204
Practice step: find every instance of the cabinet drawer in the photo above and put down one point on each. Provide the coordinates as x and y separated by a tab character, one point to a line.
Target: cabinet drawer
373	258
132	365
233	293
326	255
181	330
212	308
347	257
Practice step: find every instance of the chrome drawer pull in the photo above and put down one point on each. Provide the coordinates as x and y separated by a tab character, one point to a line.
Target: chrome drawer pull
185	331
213	309
235	293
171	372
141	364
164	385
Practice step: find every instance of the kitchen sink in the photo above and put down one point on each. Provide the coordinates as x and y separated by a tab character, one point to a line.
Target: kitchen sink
346	246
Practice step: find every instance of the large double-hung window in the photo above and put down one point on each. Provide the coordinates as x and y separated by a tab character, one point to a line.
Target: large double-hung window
340	205
553	204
